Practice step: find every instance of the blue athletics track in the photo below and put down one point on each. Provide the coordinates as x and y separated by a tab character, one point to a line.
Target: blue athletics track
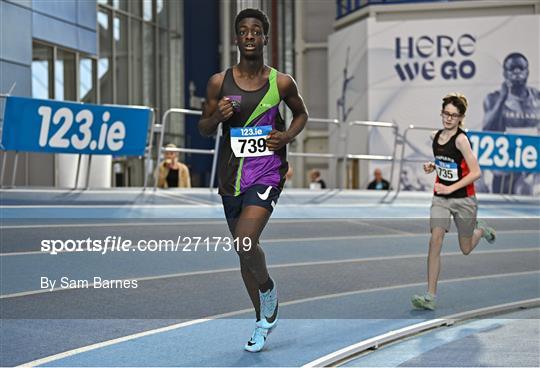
345	262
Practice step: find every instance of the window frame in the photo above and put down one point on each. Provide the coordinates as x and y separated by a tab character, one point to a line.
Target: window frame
52	69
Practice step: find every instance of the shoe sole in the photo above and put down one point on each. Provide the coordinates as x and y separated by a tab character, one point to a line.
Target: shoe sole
253	351
269	332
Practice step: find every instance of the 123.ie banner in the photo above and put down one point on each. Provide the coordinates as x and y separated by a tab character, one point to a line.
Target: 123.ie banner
505	152
35	125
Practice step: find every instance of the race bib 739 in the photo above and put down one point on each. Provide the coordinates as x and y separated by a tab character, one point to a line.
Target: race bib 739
250	141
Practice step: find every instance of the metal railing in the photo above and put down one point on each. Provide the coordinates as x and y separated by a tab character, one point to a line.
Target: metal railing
328	156
4	159
403	159
163	125
376	124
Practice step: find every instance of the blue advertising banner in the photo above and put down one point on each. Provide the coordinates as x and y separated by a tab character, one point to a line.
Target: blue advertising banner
505	152
34	125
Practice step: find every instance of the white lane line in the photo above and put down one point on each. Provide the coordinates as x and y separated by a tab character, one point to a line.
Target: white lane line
112	224
283	265
105	206
106	343
349	353
290	192
385	228
182	198
286	241
503	206
179	223
111	191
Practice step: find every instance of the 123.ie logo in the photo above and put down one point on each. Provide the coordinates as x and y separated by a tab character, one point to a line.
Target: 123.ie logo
428	57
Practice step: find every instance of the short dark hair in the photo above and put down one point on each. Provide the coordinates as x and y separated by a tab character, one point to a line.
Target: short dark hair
515	55
252	13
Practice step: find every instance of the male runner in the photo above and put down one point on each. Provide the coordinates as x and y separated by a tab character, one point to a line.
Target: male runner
514	109
457	169
253	162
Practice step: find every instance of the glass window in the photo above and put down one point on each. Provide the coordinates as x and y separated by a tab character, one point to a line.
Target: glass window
64	75
147	10
121	51
164	68
120	4
135	8
176	61
175	11
105	57
162	12
142	69
148	66
176	84
42	73
136	62
87	87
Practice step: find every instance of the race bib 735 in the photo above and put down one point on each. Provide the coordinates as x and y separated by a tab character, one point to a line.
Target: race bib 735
447	170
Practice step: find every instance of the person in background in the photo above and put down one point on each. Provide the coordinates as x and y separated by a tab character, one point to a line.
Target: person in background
316	180
173	173
379	183
288	176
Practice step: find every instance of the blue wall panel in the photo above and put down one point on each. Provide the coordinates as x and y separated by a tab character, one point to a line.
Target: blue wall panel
70	24
54	31
15	73
25	3
65	10
86	41
87	13
201	55
15	33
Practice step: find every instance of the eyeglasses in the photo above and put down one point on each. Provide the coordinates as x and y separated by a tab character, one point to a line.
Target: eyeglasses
446	115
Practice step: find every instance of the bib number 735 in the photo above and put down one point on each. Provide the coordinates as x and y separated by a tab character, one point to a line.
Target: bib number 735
446	170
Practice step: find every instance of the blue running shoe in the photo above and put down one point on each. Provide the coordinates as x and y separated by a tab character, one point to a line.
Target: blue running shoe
269	308
258	339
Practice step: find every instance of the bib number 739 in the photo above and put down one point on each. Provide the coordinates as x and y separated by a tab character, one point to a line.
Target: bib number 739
252	145
250	142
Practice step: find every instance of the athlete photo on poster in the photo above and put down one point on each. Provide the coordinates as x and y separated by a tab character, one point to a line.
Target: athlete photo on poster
514	109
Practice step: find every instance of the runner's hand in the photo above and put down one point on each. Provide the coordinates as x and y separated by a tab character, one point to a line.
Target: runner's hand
224	110
276	140
442	189
429	167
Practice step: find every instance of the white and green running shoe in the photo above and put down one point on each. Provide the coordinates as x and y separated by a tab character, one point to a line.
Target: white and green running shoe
425	301
489	232
258	339
269	308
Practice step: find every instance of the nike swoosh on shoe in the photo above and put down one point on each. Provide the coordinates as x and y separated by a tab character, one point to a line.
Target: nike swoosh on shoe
274	315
